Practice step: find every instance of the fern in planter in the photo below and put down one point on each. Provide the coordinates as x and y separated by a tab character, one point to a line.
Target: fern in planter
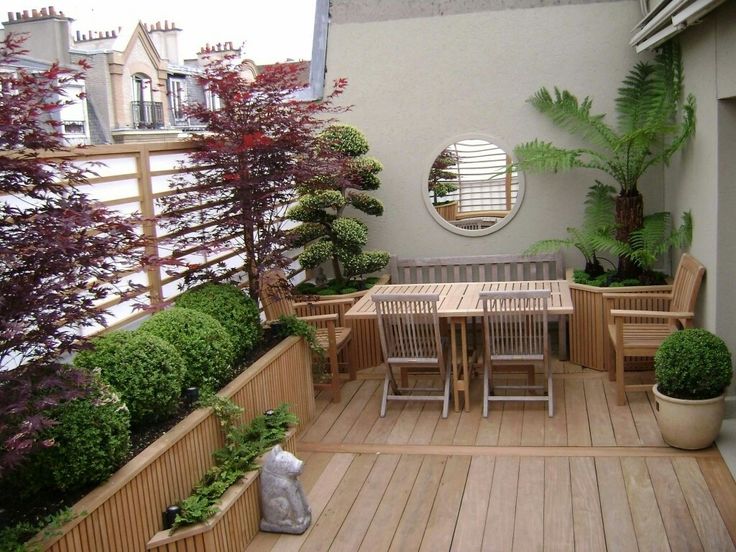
243	445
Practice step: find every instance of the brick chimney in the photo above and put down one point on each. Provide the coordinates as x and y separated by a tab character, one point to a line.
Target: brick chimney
165	37
48	32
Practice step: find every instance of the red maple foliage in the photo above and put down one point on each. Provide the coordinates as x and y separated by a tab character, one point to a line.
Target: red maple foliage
60	252
258	146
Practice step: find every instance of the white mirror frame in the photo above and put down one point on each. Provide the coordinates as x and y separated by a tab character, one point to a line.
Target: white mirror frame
444	223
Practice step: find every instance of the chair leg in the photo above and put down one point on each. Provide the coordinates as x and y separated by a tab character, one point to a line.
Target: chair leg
485	390
446	395
550	390
620	384
384	400
335	382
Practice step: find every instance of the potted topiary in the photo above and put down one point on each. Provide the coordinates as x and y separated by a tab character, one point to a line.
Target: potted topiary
693	368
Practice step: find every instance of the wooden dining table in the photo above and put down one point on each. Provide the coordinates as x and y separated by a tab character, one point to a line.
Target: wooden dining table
458	303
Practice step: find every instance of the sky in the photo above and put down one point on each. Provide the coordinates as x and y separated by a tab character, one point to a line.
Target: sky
271	30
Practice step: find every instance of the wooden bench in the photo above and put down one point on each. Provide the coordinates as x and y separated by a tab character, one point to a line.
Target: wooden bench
483	268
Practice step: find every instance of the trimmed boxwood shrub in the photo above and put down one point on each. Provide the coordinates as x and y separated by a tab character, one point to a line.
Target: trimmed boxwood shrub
144	369
232	308
202	342
693	364
91	439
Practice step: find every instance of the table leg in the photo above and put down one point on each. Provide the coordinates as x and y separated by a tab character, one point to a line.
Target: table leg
466	375
455	367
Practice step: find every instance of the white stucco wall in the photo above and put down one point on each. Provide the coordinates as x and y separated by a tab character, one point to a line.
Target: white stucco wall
417	83
703	177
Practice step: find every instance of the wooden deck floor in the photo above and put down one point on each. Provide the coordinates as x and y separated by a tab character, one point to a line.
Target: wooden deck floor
595	477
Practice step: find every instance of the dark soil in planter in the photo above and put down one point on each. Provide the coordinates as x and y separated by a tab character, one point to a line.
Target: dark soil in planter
331	287
13	510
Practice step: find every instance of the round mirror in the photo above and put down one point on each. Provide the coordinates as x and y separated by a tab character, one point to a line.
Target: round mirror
470	189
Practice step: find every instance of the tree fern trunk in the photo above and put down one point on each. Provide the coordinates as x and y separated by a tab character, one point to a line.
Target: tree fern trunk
629	217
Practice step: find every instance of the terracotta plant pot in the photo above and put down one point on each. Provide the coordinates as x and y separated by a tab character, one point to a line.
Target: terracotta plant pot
689	424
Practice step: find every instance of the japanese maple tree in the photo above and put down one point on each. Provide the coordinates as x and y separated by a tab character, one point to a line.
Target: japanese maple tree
60	252
259	142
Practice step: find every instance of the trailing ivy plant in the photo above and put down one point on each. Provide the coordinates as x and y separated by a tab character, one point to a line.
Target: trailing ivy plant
243	444
292	325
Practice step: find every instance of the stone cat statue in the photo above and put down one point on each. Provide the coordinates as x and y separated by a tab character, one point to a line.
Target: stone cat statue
284	507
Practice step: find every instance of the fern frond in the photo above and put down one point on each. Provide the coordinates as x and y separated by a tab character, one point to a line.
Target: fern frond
568	113
600	206
538	156
548	246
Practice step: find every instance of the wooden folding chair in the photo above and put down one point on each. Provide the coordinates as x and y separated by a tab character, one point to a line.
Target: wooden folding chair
410	339
515	333
639	333
332	334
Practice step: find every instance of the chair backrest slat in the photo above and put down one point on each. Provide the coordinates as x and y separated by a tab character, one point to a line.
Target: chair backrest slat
515	323
276	295
686	286
409	327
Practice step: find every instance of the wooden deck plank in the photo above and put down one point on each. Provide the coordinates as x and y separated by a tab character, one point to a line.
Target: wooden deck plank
678	524
617	521
444	431
426	423
578	429
383	426
471	521
646	423
404	426
443	518
467	428
601	429
351	413
555	428
622	420
723	488
586	508
410	531
711	527
324	529
490	427
368	417
529	523
499	531
512	421
533	426
359	518
381	531
318	498
322	424
648	524
558	523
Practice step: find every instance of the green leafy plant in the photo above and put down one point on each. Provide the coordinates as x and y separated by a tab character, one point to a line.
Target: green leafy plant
202	342
15	538
440	179
693	364
146	371
652	126
232	308
243	444
325	233
91	437
291	325
598	220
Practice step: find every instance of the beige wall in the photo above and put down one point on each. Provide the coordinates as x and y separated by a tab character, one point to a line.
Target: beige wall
418	83
703	177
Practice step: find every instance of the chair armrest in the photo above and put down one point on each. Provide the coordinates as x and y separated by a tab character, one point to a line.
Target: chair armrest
320	318
619	313
666	291
343	300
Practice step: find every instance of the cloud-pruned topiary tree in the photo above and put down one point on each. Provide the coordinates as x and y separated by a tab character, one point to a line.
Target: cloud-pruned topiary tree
328	235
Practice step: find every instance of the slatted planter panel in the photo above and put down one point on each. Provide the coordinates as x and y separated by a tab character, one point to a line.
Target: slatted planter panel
447	211
125	512
232	528
589	342
364	349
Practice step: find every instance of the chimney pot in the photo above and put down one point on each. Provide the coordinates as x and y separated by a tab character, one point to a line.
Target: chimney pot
34	13
166	24
25	14
44	12
10	16
78	35
173	26
158	25
52	10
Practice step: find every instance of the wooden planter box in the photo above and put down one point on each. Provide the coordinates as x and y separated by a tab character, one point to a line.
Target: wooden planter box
364	350
123	514
232	528
589	342
448	211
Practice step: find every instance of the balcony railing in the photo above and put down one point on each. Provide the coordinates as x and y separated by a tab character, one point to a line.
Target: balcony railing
147	114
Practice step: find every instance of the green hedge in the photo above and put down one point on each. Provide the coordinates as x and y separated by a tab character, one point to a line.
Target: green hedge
144	369
232	308
202	342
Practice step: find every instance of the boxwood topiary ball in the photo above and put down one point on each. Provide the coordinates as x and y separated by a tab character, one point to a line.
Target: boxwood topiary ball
202	342
144	369
232	308
693	364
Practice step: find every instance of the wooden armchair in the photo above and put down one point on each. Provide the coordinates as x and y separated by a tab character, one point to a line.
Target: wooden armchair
326	316
640	332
